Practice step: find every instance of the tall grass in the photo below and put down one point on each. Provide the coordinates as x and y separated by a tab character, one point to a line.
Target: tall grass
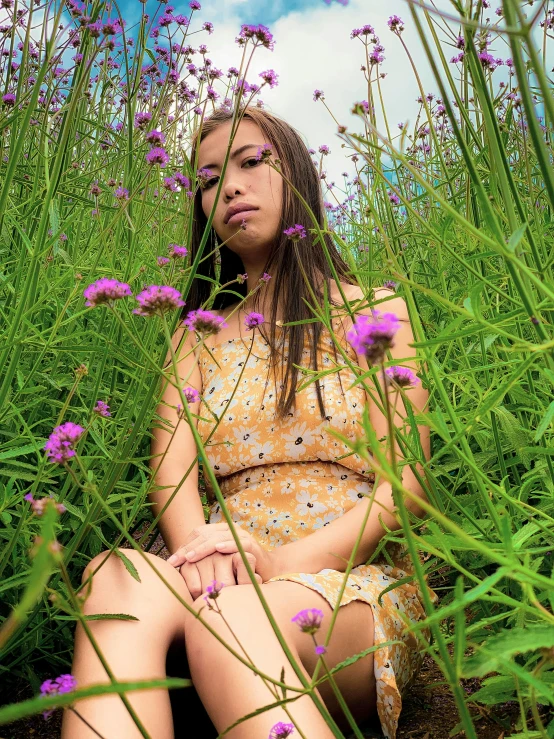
457	210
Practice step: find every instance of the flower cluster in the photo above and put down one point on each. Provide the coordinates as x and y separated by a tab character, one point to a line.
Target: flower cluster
157	300
253	319
309	620
157	156
61	443
373	335
105	291
281	731
204	322
296	232
58	686
191	394
401	376
213	591
102	409
39	504
177	252
264	152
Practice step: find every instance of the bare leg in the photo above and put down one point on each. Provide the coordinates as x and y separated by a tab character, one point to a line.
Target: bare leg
229	690
134	650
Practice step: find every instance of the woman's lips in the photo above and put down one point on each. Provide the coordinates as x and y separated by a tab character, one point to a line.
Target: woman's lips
238	217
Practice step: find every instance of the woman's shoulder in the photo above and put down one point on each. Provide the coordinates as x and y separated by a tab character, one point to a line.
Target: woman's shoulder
387	300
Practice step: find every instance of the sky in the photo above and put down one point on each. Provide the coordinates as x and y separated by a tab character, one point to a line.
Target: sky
313	50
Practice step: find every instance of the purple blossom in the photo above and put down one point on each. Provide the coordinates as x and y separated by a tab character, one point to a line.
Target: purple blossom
195	5
393	197
168	183
204	175
260	35
295	232
181	180
39	504
264	152
309	620
177	252
324	149
61	442
156	300
102	409
265	277
390	284
253	319
162	261
320	649
121	193
318	95
402	376
395	24
62	684
95	190
156	138
141	119
373	335
204	322
241	279
209	27
281	730
213	590
269	77
105	291
191	394
157	155
9	99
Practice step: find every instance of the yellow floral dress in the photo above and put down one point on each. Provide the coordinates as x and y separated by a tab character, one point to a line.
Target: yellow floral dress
281	481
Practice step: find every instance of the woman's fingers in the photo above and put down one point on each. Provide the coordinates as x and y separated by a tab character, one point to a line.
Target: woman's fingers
223	569
243	578
201	547
191	576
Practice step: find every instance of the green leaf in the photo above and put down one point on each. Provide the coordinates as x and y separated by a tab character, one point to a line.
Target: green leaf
500	647
545	423
131	569
516	237
18	451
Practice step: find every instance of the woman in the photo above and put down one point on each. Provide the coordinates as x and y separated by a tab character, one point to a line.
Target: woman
297	494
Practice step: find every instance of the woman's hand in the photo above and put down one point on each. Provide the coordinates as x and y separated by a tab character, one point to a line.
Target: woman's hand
209	539
228	569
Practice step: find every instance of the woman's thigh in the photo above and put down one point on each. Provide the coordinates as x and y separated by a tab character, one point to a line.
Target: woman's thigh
353	632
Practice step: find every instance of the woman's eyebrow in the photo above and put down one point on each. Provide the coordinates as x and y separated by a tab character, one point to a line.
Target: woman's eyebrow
234	155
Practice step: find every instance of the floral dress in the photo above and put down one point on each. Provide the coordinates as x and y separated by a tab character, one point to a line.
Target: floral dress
281	481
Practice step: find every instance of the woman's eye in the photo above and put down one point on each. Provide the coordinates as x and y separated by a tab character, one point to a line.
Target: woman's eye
213	181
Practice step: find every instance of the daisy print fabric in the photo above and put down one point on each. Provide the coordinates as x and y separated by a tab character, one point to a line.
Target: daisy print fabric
284	479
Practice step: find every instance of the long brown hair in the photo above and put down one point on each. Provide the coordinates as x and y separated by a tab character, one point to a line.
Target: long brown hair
285	263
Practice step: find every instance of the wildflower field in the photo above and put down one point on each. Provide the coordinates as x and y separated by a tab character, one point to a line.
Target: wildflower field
454	211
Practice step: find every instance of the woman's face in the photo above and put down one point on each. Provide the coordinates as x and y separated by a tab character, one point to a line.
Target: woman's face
247	182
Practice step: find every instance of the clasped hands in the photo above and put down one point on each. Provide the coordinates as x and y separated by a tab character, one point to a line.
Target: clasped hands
210	553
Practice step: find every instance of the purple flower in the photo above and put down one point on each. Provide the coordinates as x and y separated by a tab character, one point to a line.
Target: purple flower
390	284
156	300
395	24
141	119
393	197
253	319
265	277
373	335
269	77
102	409
320	649
209	27
281	731
39	505
402	376
204	322
203	176
162	261
191	394
194	5
260	34
182	180
121	193
318	95
213	590
58	686
157	155
295	232
241	279
264	152
156	138
309	620
61	441
105	291
9	99
177	252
